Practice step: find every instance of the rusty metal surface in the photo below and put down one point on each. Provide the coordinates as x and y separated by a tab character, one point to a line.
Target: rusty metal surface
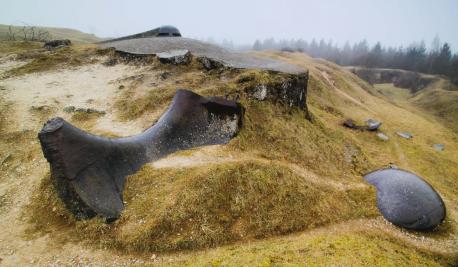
89	171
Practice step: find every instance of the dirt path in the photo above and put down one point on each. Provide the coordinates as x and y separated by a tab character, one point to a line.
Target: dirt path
347	96
212	155
29	97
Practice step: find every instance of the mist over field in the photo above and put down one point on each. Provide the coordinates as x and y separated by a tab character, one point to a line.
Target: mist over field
394	23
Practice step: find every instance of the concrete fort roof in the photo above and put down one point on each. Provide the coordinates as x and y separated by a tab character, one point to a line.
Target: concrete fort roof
154	45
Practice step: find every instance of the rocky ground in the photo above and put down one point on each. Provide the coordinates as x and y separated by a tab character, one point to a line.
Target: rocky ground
286	191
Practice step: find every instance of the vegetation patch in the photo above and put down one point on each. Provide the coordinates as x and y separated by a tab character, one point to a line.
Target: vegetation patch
9	47
41	60
342	248
173	209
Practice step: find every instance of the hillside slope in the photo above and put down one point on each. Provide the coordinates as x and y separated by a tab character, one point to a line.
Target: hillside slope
440	99
285	191
55	33
432	93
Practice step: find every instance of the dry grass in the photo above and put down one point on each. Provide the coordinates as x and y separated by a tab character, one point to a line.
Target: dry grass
335	248
7	48
392	92
174	209
40	60
442	103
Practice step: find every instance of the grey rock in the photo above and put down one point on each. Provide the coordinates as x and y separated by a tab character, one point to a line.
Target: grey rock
260	92
69	109
210	64
373	125
175	57
439	147
383	136
405	135
57	43
406	200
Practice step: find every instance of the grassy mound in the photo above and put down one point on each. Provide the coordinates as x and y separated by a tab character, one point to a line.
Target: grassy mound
441	103
173	209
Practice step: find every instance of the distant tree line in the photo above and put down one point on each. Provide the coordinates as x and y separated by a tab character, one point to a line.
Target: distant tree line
416	57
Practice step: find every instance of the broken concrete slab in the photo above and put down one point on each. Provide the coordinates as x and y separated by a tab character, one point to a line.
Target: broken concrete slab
439	147
210	64
405	135
57	43
373	125
383	137
175	57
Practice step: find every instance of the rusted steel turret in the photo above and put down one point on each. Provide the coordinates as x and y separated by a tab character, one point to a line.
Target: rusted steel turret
89	172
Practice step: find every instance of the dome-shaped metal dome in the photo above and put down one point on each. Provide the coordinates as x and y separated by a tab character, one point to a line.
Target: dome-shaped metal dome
168	31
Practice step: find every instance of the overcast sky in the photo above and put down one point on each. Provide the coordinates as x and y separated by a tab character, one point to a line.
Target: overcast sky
393	22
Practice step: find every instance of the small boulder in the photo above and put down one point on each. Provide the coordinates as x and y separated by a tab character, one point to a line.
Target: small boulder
406	200
260	92
383	137
439	147
405	135
57	43
349	123
373	125
210	64
175	57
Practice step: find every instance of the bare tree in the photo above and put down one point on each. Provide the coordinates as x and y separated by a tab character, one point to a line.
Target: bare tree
11	34
28	33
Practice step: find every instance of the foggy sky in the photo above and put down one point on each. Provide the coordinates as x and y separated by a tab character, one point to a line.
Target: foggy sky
393	22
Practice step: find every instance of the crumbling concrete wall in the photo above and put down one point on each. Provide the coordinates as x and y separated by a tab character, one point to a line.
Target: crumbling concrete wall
399	78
